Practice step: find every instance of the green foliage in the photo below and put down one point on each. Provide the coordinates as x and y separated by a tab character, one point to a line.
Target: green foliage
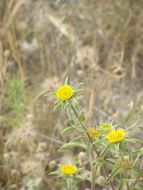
16	102
108	148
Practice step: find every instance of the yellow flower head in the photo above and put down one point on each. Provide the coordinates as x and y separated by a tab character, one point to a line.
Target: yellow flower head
65	92
116	135
93	133
106	126
68	169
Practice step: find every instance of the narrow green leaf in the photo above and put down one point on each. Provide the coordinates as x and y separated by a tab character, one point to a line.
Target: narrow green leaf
67	130
74	101
115	171
78	139
48	94
54	173
104	152
82	117
72	145
77	86
57	106
98	161
70	121
138	170
121	181
134	140
66	80
108	163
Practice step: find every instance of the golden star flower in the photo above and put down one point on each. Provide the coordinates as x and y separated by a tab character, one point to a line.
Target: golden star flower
116	135
93	133
68	169
106	126
65	92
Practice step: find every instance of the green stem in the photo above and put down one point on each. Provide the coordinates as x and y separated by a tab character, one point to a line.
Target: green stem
90	139
69	183
125	173
126	180
93	177
91	155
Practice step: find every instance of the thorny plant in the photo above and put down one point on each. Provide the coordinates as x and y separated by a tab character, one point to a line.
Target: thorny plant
107	147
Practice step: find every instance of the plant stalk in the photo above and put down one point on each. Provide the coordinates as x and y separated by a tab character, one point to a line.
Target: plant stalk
93	177
90	139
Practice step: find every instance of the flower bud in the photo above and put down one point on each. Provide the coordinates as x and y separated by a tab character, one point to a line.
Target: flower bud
82	156
52	164
101	181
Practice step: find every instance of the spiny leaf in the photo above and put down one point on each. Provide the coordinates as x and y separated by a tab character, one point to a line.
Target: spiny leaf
134	140
81	117
98	161
76	86
105	150
57	106
54	173
138	170
48	94
115	171
66	80
68	130
121	182
72	145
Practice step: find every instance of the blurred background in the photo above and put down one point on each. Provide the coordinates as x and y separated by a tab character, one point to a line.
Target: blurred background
98	43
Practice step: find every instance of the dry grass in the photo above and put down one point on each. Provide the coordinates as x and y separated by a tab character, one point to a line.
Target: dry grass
99	43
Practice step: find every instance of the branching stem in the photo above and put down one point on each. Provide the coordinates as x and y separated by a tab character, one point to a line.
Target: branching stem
97	153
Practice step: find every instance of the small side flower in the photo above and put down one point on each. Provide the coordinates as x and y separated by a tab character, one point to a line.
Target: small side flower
69	169
93	133
116	135
106	126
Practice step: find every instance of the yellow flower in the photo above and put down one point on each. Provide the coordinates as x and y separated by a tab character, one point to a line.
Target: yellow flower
65	92
93	133
106	126
116	135
69	169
